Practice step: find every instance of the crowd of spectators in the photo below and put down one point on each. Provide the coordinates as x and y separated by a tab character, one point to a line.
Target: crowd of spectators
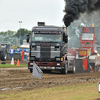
24	52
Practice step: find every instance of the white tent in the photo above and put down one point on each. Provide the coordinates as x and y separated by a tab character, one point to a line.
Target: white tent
25	44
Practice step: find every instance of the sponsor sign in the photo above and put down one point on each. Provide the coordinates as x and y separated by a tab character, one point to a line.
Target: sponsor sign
82	52
87	45
88	29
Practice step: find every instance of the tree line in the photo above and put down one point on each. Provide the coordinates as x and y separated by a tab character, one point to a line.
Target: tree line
13	36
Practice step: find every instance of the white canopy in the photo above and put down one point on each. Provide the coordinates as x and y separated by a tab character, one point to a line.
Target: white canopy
25	44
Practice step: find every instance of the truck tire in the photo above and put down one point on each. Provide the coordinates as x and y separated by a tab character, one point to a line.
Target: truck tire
65	70
3	62
3	56
78	66
74	69
31	70
96	68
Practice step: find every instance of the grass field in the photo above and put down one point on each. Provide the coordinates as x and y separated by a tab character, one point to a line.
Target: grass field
86	91
9	65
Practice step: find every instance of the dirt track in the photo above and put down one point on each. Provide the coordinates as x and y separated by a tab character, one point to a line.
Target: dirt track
12	78
21	78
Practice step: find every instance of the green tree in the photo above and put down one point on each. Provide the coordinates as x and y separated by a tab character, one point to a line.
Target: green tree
22	32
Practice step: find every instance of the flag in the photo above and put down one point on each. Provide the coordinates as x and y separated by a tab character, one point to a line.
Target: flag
37	72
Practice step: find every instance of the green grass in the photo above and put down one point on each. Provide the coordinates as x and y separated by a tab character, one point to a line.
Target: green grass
86	91
10	66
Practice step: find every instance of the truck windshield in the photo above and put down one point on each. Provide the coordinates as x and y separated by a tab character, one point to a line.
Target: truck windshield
46	37
87	36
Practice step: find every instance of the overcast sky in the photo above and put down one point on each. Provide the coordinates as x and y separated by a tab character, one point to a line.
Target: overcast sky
30	12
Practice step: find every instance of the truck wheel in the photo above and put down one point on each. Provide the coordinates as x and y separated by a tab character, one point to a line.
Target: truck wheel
3	56
74	69
78	66
31	70
3	62
65	70
96	68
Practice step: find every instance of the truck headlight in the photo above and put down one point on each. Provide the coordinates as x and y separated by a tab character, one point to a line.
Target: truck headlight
33	58
57	59
33	43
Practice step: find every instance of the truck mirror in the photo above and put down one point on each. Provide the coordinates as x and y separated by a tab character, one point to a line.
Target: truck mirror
27	38
66	38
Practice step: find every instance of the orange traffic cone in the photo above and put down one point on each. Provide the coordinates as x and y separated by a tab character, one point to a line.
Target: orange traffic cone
18	63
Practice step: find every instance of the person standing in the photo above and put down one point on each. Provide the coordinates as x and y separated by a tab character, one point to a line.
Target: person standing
22	55
11	52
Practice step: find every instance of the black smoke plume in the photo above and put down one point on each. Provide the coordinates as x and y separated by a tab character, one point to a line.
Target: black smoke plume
73	9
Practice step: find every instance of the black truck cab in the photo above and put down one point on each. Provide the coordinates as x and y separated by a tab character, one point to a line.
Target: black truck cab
48	48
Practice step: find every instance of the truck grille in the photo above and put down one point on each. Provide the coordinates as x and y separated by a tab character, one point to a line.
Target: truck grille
45	51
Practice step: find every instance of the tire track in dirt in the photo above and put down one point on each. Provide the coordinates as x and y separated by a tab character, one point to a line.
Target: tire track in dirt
18	77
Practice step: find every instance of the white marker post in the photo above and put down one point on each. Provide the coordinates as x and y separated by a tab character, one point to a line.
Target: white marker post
99	87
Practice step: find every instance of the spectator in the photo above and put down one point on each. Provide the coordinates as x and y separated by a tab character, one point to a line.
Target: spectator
11	52
22	55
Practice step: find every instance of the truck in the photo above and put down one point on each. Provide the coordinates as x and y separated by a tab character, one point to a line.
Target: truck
48	48
85	58
2	54
4	48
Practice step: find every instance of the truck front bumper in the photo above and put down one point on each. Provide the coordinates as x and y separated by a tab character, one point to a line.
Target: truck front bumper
47	65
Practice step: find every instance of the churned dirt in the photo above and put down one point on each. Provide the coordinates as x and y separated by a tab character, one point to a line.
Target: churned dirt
15	78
